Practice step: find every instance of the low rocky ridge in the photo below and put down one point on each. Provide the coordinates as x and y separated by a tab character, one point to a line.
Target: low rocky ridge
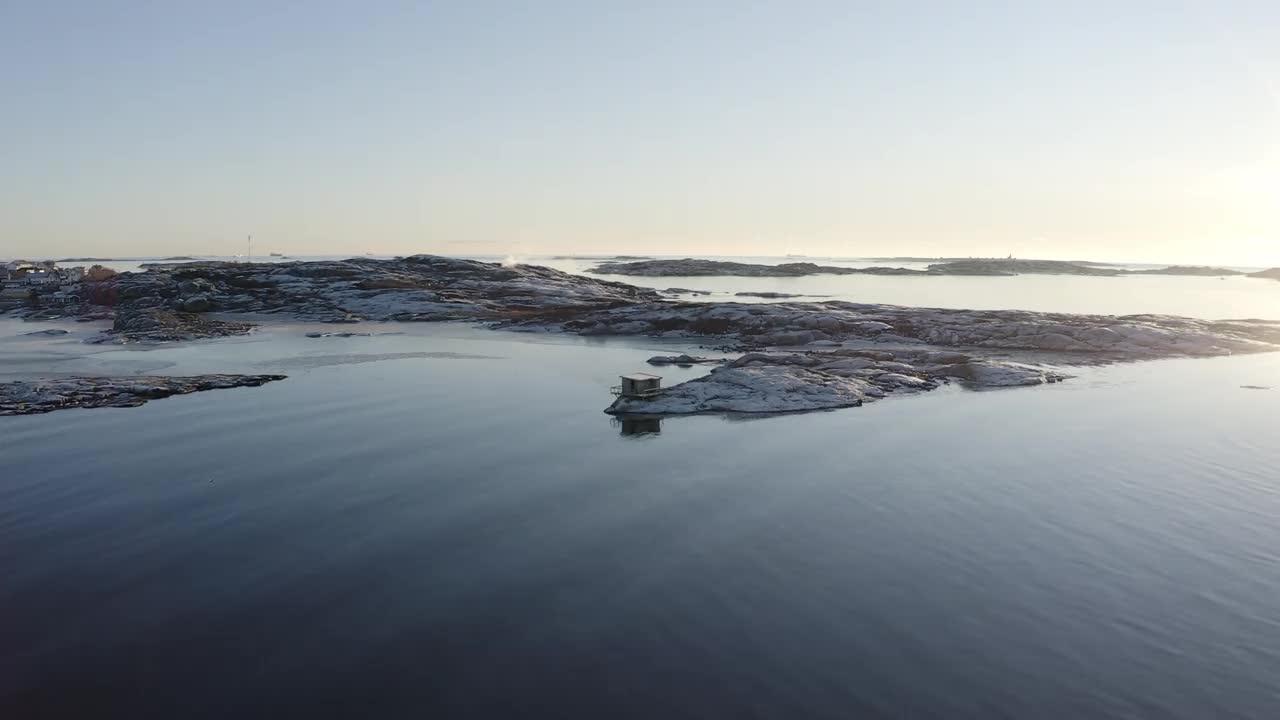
153	324
683	360
1272	274
42	396
421	287
1019	267
774	295
1189	270
1129	337
691	267
165	303
800	382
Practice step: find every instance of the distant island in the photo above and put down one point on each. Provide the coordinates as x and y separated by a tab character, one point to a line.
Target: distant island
915	259
1008	267
1194	270
691	267
981	267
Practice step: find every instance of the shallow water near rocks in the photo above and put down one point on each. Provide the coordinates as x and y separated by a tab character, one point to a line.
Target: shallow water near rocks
445	521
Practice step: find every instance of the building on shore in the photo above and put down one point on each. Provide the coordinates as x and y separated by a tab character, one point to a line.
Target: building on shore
23	281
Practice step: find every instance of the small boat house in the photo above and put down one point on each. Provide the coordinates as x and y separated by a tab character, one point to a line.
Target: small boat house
638	385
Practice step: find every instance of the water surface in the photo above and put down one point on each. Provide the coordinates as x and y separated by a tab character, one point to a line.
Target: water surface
464	533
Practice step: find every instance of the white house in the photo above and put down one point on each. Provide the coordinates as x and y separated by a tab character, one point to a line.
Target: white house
43	278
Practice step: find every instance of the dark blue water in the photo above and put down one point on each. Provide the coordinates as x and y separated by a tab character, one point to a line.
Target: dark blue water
467	535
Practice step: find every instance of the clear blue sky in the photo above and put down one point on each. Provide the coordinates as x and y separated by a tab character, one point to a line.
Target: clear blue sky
1116	130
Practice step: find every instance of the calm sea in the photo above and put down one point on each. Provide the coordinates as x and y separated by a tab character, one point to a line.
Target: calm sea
443	523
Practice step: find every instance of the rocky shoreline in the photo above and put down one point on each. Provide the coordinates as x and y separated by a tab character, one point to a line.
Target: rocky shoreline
173	303
767	383
42	396
789	324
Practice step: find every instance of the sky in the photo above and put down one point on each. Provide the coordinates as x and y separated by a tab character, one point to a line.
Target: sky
1120	130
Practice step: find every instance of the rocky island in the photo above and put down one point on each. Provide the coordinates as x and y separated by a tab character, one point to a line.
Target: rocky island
1008	267
841	353
1189	270
781	383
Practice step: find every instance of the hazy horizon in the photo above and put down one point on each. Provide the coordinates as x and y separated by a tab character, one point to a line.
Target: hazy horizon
533	257
1144	133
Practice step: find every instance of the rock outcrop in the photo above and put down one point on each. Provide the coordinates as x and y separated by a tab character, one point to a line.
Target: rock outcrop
801	382
1272	274
154	325
1129	337
774	295
30	397
681	360
421	287
768	389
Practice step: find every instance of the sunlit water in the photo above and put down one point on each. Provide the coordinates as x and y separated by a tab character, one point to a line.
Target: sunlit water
444	523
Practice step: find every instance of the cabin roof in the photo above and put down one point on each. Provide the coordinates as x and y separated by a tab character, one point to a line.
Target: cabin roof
641	376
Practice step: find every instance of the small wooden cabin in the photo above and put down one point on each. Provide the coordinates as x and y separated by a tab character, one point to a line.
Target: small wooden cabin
639	385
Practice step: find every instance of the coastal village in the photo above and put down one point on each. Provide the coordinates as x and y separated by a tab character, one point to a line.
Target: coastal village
44	283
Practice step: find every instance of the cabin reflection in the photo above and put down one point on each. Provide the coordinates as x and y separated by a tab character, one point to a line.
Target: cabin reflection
638	424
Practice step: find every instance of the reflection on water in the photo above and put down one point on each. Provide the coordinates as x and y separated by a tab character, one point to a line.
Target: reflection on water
637	424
